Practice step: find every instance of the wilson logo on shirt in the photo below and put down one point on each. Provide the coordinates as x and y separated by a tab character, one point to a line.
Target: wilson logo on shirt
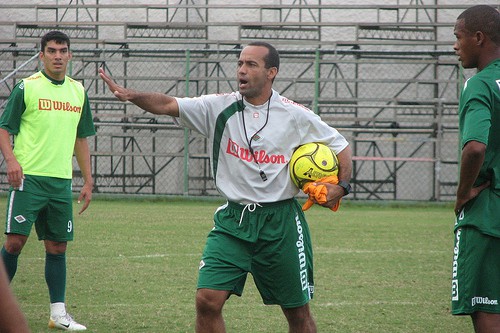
261	156
50	105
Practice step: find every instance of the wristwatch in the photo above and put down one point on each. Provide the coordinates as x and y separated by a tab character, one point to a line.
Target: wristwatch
346	186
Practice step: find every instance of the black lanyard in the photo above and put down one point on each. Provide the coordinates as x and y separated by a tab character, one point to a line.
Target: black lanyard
249	142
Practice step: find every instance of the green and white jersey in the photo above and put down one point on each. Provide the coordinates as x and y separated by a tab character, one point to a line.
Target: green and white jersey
273	129
46	117
479	120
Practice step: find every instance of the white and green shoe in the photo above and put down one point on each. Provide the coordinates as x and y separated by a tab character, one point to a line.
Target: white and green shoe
66	323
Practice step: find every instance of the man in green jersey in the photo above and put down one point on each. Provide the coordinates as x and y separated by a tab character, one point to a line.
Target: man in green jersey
49	116
476	265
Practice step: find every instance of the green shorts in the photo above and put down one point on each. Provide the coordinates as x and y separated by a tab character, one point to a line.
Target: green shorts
45	202
476	273
270	241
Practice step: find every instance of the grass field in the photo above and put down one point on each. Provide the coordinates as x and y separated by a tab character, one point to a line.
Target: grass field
133	268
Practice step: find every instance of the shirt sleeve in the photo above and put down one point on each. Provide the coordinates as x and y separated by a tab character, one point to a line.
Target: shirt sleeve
86	125
10	120
476	113
195	112
313	129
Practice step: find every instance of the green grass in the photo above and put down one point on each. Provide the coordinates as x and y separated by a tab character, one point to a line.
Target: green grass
133	268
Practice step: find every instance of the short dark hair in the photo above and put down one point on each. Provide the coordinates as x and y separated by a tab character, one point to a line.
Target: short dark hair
58	36
273	57
482	18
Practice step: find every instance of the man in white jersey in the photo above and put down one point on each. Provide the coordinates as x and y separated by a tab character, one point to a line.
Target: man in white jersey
49	116
261	229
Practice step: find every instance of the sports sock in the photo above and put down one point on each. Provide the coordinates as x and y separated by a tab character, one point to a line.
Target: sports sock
10	262
57	309
55	276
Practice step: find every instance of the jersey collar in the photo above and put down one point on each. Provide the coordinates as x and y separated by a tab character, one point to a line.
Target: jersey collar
56	82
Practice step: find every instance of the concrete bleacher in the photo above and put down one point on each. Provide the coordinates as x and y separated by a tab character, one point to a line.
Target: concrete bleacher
303	23
279	31
166	30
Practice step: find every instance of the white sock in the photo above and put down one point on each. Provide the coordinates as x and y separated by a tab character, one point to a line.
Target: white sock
57	309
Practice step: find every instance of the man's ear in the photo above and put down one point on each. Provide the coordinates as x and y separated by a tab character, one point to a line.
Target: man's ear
480	38
273	71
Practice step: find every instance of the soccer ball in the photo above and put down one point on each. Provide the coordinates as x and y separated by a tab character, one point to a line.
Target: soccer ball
312	161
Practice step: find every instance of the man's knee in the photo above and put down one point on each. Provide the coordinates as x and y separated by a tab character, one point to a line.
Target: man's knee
300	319
486	322
53	247
210	301
14	243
